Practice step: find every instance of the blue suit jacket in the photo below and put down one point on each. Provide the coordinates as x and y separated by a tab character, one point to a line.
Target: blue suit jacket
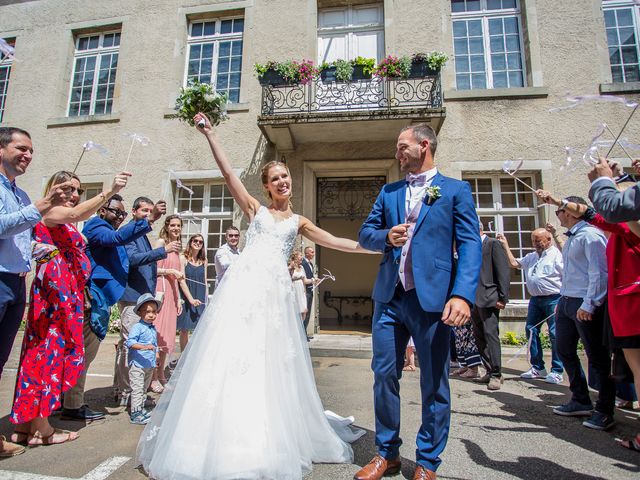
108	255
450	218
143	268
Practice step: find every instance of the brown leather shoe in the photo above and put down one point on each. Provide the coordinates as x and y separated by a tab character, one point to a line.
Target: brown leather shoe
377	468
422	473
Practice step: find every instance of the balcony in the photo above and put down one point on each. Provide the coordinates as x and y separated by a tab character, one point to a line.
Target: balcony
360	110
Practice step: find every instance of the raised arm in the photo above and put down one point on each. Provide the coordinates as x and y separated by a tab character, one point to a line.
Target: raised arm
84	210
245	201
513	262
317	235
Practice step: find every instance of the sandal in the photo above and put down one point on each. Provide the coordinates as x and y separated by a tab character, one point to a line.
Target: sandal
156	387
633	444
458	371
470	373
38	439
409	368
19	437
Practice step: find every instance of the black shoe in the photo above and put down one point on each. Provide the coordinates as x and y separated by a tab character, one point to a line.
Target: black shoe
83	414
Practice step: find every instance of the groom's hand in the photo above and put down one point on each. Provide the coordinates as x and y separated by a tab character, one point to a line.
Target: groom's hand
398	235
456	312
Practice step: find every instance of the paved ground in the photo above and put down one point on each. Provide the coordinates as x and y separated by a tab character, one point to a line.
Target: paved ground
510	434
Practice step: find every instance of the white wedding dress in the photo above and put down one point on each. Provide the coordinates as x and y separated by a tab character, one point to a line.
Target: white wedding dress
242	402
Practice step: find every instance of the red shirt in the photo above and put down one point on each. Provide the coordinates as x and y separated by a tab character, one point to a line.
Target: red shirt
623	281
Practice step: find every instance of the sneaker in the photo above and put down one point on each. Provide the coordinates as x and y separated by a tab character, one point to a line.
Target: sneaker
554	378
574	409
599	421
495	383
534	373
139	418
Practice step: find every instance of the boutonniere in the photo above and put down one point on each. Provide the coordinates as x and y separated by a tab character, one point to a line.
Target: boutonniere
433	193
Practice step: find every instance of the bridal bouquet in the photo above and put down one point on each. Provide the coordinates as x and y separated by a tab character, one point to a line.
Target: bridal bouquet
201	97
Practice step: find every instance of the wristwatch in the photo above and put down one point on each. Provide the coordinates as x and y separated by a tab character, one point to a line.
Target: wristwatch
564	203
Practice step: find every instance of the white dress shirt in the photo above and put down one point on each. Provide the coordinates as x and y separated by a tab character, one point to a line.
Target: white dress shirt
543	273
225	256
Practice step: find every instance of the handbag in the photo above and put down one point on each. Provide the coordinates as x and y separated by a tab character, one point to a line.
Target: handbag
160	295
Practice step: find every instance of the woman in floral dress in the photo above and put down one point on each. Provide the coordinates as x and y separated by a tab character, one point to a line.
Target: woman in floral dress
52	355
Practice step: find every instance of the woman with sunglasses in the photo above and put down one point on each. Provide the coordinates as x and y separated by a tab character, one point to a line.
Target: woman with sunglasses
193	288
52	357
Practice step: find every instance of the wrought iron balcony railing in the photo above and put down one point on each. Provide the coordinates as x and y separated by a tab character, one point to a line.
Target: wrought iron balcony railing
375	95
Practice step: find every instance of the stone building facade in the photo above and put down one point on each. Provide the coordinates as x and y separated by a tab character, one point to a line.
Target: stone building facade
95	70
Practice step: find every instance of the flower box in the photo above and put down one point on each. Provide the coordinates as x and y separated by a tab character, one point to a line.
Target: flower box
272	78
358	73
421	69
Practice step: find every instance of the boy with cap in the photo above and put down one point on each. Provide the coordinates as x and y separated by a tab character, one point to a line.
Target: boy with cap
142	344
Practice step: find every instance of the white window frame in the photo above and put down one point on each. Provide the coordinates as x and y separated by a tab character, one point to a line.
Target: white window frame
203	217
350	30
98	53
635	8
214	39
485	15
5	64
499	213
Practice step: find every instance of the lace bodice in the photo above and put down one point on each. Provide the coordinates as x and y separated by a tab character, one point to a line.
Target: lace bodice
271	236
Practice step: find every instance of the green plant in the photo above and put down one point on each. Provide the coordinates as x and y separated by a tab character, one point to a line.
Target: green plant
201	97
114	320
512	338
368	64
437	60
393	67
261	68
344	70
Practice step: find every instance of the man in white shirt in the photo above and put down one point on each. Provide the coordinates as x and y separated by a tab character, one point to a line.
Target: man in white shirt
227	253
543	274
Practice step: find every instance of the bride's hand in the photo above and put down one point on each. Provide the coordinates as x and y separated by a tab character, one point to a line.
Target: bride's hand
202	123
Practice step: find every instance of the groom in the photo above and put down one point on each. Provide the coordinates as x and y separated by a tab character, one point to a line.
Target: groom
418	293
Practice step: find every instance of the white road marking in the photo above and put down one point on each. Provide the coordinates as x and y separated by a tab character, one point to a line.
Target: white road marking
103	375
101	472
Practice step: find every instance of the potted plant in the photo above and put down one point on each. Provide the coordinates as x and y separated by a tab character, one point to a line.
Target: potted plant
201	97
393	67
268	73
363	68
427	64
336	71
289	72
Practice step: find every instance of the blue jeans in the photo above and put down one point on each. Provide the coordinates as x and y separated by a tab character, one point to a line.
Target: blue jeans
539	309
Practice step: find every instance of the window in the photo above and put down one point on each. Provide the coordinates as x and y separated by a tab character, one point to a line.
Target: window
94	74
621	20
350	32
215	54
487	43
209	211
505	206
5	72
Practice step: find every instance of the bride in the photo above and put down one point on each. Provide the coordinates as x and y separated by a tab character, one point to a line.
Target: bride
251	412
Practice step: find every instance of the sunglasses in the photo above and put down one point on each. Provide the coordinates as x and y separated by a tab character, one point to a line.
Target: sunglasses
199	242
74	189
233	235
117	212
559	210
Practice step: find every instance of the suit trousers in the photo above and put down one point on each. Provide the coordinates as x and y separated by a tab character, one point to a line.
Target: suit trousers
128	318
307	316
393	324
486	331
74	397
568	331
13	299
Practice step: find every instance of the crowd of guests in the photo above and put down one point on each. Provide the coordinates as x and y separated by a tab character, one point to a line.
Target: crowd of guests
585	288
78	278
